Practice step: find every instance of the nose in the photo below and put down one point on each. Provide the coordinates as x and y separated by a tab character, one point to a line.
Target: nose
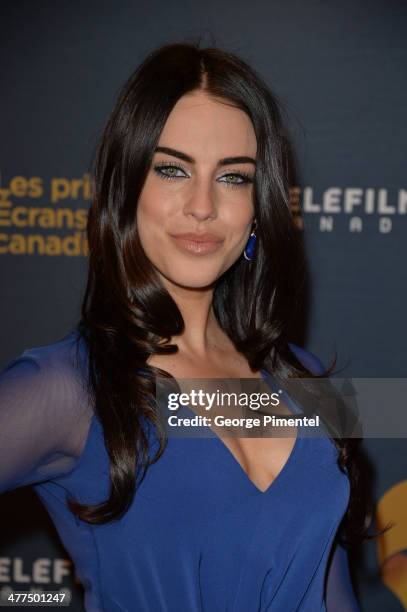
200	202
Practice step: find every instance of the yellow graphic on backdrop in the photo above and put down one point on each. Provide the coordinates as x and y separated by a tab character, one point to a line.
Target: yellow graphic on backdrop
53	224
392	545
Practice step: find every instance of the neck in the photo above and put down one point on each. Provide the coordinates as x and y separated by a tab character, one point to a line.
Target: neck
202	332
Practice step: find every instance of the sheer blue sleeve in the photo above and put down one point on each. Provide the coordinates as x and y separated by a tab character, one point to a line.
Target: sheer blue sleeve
44	414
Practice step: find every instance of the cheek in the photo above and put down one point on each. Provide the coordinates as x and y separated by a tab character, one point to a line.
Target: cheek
239	217
238	203
151	213
148	219
153	216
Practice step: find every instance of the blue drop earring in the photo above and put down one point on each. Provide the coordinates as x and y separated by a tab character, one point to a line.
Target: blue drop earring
250	246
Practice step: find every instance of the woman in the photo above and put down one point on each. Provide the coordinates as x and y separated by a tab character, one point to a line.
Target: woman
194	272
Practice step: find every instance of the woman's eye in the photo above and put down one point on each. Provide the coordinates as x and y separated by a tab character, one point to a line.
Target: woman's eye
169	171
235	179
173	171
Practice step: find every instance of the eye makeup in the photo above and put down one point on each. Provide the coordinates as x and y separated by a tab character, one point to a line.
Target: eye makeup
167	171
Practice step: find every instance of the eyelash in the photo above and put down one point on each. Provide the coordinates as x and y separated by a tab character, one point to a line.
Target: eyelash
158	167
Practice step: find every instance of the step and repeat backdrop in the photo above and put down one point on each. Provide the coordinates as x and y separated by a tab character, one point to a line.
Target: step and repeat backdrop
340	70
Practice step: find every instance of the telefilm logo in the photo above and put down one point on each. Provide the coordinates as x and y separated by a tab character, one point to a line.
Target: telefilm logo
39	575
353	208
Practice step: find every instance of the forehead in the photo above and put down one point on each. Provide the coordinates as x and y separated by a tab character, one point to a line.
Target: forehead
201	125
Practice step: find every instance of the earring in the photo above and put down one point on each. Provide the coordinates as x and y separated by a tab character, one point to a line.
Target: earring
251	244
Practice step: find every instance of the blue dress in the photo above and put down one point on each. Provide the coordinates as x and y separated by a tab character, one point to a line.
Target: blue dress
199	536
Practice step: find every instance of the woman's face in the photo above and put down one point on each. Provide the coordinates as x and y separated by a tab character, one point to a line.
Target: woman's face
200	182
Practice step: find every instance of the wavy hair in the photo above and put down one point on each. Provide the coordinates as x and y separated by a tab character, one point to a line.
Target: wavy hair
127	314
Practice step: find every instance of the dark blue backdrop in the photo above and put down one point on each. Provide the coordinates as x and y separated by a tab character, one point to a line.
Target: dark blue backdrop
340	69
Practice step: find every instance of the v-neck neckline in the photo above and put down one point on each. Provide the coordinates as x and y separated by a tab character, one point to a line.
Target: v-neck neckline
240	470
231	457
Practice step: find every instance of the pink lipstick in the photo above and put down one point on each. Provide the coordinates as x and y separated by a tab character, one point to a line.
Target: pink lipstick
197	244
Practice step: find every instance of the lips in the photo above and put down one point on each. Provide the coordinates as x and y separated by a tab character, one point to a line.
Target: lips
197	244
198	237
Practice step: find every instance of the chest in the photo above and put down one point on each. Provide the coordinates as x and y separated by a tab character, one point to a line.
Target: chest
261	459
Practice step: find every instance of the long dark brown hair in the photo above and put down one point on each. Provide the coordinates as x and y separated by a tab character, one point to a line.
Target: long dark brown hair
127	314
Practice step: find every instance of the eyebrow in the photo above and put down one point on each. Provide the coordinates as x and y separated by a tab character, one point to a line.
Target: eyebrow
242	159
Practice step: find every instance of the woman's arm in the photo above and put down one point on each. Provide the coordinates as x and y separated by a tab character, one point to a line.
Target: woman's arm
43	417
339	591
340	596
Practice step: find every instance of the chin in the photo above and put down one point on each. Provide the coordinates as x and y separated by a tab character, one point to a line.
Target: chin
192	278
